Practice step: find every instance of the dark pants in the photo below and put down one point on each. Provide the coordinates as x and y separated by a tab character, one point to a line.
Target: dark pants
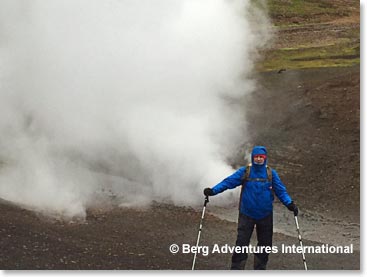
264	232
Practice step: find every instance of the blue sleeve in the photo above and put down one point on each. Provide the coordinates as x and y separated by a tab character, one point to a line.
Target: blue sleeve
230	182
280	189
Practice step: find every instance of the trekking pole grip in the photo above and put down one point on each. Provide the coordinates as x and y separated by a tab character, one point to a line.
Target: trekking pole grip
206	200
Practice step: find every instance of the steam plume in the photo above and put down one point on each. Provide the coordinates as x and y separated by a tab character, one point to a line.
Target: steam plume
135	98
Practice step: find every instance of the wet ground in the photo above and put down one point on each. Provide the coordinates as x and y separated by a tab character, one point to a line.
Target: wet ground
124	238
309	121
314	227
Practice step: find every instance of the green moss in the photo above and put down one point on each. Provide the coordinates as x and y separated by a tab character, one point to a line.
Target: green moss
303	10
327	56
297	8
341	49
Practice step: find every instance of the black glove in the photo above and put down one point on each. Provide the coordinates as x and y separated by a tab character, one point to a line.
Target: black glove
292	207
208	192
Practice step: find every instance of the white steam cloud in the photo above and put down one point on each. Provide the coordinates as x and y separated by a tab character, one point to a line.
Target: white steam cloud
135	98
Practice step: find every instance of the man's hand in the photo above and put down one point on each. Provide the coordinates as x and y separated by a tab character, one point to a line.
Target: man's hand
292	207
208	192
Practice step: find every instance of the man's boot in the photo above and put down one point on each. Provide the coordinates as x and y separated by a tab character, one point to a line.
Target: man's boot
259	264
238	265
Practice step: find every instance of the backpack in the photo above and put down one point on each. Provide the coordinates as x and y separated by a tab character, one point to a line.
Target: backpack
246	177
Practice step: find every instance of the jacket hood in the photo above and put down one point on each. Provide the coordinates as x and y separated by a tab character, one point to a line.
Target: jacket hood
259	150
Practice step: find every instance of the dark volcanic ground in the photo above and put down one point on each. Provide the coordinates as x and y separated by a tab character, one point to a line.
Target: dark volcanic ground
309	121
133	239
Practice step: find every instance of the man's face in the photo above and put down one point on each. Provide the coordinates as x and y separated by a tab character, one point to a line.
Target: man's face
259	159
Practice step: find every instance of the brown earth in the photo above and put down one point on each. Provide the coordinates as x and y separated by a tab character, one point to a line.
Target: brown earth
309	120
134	239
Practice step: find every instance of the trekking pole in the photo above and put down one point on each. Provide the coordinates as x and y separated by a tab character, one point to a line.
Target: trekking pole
300	242
200	227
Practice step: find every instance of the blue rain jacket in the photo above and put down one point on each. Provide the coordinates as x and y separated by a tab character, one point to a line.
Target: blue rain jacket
257	196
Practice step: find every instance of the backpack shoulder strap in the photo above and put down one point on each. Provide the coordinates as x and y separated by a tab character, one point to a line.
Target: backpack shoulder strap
269	173
246	175
244	179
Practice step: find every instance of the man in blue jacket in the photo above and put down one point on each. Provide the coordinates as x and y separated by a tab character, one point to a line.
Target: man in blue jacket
259	183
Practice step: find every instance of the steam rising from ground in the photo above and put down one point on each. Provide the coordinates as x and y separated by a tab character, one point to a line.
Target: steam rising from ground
138	99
